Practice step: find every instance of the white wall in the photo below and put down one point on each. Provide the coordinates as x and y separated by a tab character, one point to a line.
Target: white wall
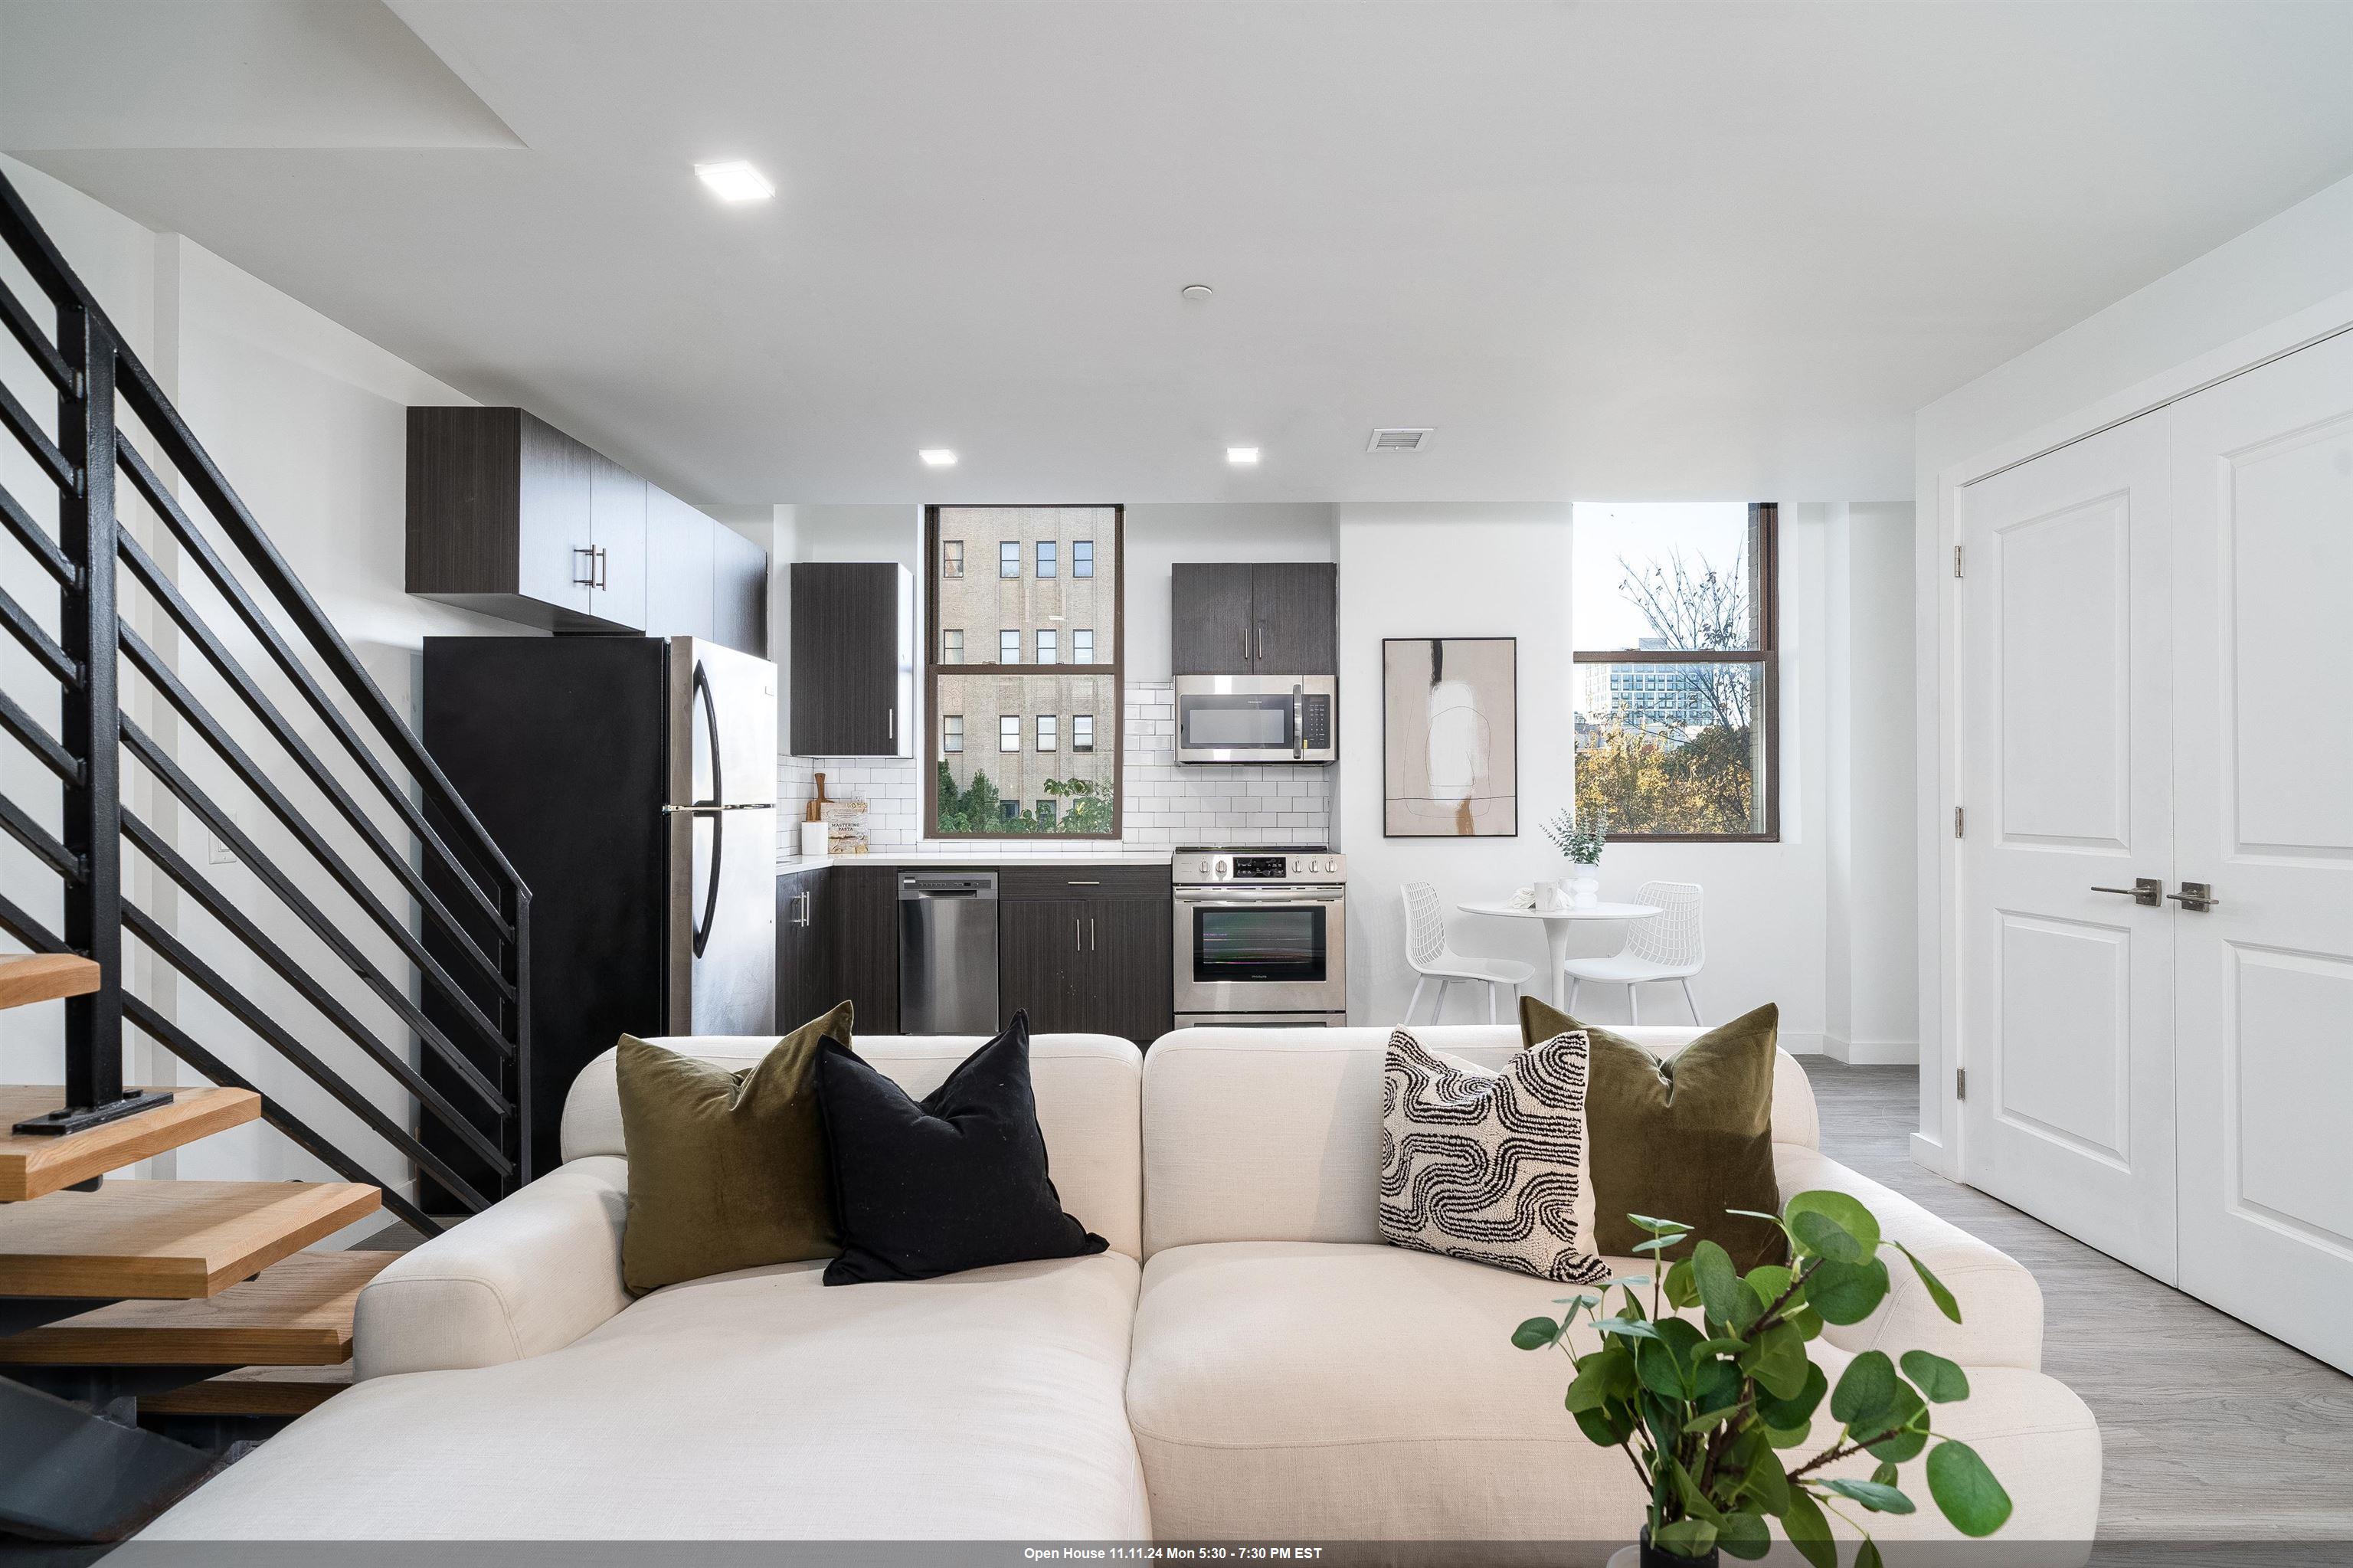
2286	280
308	422
1422	571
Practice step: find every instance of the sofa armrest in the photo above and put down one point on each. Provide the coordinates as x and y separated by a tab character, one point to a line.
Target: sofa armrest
528	1274
2001	1306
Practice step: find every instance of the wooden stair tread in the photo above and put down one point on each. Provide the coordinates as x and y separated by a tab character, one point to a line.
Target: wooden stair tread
32	1165
26	978
253	1390
167	1240
298	1314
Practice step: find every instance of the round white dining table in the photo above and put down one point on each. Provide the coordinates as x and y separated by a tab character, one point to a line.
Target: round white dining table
1556	925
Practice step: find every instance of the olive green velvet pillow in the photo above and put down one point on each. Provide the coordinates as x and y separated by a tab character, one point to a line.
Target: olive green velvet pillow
1683	1138
726	1170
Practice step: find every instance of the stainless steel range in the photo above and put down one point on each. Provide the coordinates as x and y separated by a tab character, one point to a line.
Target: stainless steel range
1262	936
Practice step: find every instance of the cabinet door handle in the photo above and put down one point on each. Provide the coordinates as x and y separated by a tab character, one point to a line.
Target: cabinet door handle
601	580
1086	882
1091	934
590	580
1074	934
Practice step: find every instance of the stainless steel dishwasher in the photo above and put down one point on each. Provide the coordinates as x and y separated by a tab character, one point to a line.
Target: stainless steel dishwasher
947	952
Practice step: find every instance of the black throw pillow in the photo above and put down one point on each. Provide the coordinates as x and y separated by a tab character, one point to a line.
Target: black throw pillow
957	1183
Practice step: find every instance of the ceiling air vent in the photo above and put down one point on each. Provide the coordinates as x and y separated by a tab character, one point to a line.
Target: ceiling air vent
1398	440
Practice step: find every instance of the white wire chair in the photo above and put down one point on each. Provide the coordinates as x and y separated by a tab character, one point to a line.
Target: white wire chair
1432	959
1668	946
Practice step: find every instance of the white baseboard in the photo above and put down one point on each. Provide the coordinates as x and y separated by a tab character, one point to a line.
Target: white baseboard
1871	1052
1799	1043
1930	1154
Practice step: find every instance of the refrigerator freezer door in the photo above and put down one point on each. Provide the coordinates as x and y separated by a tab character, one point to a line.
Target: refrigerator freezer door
723	841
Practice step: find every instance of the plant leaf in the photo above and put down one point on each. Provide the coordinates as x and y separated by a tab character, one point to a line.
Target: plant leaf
1966	1491
1765	1479
1864	1390
1535	1333
1799	1407
1906	1422
1845	1292
1885	1474
1716	1384
1719	1283
1590	1389
1874	1495
1825	1237
1935	1287
1807	1531
1662	1373
1866	1554
1744	1535
1683	1290
1608	1426
1841	1210
1659	1227
1939	1379
1629	1327
1685	1538
1778	1361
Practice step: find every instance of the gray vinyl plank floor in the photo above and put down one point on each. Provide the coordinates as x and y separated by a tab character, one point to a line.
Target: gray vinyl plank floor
2210	1430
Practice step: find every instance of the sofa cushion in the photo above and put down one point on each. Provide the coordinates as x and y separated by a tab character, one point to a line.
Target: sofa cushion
1490	1166
1275	1134
984	1406
1711	1102
955	1180
727	1167
1290	1390
1087	1087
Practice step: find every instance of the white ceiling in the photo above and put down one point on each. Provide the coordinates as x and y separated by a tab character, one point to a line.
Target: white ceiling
1615	251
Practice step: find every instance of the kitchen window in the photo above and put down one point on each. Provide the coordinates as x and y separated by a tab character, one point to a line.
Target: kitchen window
951	733
951	557
1054	677
1676	678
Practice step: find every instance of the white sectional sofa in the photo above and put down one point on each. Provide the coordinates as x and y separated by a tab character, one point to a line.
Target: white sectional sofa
1247	1361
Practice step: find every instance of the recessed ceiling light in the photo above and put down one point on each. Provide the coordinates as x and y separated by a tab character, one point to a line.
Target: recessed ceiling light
735	180
1241	457
937	457
1195	293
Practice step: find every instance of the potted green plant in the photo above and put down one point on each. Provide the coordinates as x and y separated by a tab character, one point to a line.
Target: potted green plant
1707	1410
1580	841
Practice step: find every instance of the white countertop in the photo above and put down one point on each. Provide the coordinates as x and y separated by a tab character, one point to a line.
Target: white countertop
981	855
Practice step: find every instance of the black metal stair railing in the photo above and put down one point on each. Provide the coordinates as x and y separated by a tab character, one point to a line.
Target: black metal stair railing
395	862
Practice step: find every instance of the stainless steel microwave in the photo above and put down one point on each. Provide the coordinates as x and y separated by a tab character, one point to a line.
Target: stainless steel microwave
1257	718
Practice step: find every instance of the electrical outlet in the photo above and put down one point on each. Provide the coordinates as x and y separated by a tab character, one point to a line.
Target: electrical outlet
217	852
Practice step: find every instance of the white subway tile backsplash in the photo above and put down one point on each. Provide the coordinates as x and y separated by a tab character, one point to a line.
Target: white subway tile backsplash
1165	804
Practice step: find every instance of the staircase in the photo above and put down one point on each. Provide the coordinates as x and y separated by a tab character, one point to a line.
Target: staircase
370	952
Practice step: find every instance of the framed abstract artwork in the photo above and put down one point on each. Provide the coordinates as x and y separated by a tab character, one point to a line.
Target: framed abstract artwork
1449	737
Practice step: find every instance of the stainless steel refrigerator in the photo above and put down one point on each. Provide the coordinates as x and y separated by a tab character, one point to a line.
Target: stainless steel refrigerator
633	782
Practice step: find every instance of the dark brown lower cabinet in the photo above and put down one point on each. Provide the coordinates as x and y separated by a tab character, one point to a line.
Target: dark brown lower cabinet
805	922
1086	949
863	936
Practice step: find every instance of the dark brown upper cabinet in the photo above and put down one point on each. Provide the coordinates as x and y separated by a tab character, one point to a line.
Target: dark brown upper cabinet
509	515
853	659
1265	618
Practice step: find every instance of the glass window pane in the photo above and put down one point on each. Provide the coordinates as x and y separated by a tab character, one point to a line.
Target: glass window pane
1083	557
1008	558
1046	553
1008	647
951	646
1663	575
1047	652
1026	769
951	733
951	557
1671	749
1082	646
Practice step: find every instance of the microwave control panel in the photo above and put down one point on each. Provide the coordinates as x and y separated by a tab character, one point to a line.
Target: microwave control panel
1316	723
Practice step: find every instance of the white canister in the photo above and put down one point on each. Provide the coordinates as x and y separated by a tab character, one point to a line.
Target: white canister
813	840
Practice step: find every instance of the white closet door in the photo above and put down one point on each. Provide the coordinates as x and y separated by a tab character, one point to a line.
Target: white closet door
2263	732
2067	992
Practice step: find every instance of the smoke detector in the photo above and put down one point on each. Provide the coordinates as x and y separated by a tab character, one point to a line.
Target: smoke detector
1399	440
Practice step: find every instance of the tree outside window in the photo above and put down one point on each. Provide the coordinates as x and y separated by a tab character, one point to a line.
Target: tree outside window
1047	679
1676	669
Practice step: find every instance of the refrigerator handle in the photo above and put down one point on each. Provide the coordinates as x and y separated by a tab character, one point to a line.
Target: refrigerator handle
718	819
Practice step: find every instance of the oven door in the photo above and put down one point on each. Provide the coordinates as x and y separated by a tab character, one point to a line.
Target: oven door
1253	949
1255	718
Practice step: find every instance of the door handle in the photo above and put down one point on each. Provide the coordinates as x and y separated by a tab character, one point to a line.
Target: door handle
589	551
1074	934
2144	890
2196	897
1091	935
601	581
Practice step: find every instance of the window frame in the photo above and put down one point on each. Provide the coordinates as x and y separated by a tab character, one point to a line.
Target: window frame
1002	662
957	720
1003	750
1114	671
1046	560
1046	734
957	545
1765	555
1015	575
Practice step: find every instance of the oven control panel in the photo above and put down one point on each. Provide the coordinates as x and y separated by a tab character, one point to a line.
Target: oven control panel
1257	867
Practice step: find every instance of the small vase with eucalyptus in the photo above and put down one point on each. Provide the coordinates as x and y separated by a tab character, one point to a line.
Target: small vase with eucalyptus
1581	841
1708	1410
